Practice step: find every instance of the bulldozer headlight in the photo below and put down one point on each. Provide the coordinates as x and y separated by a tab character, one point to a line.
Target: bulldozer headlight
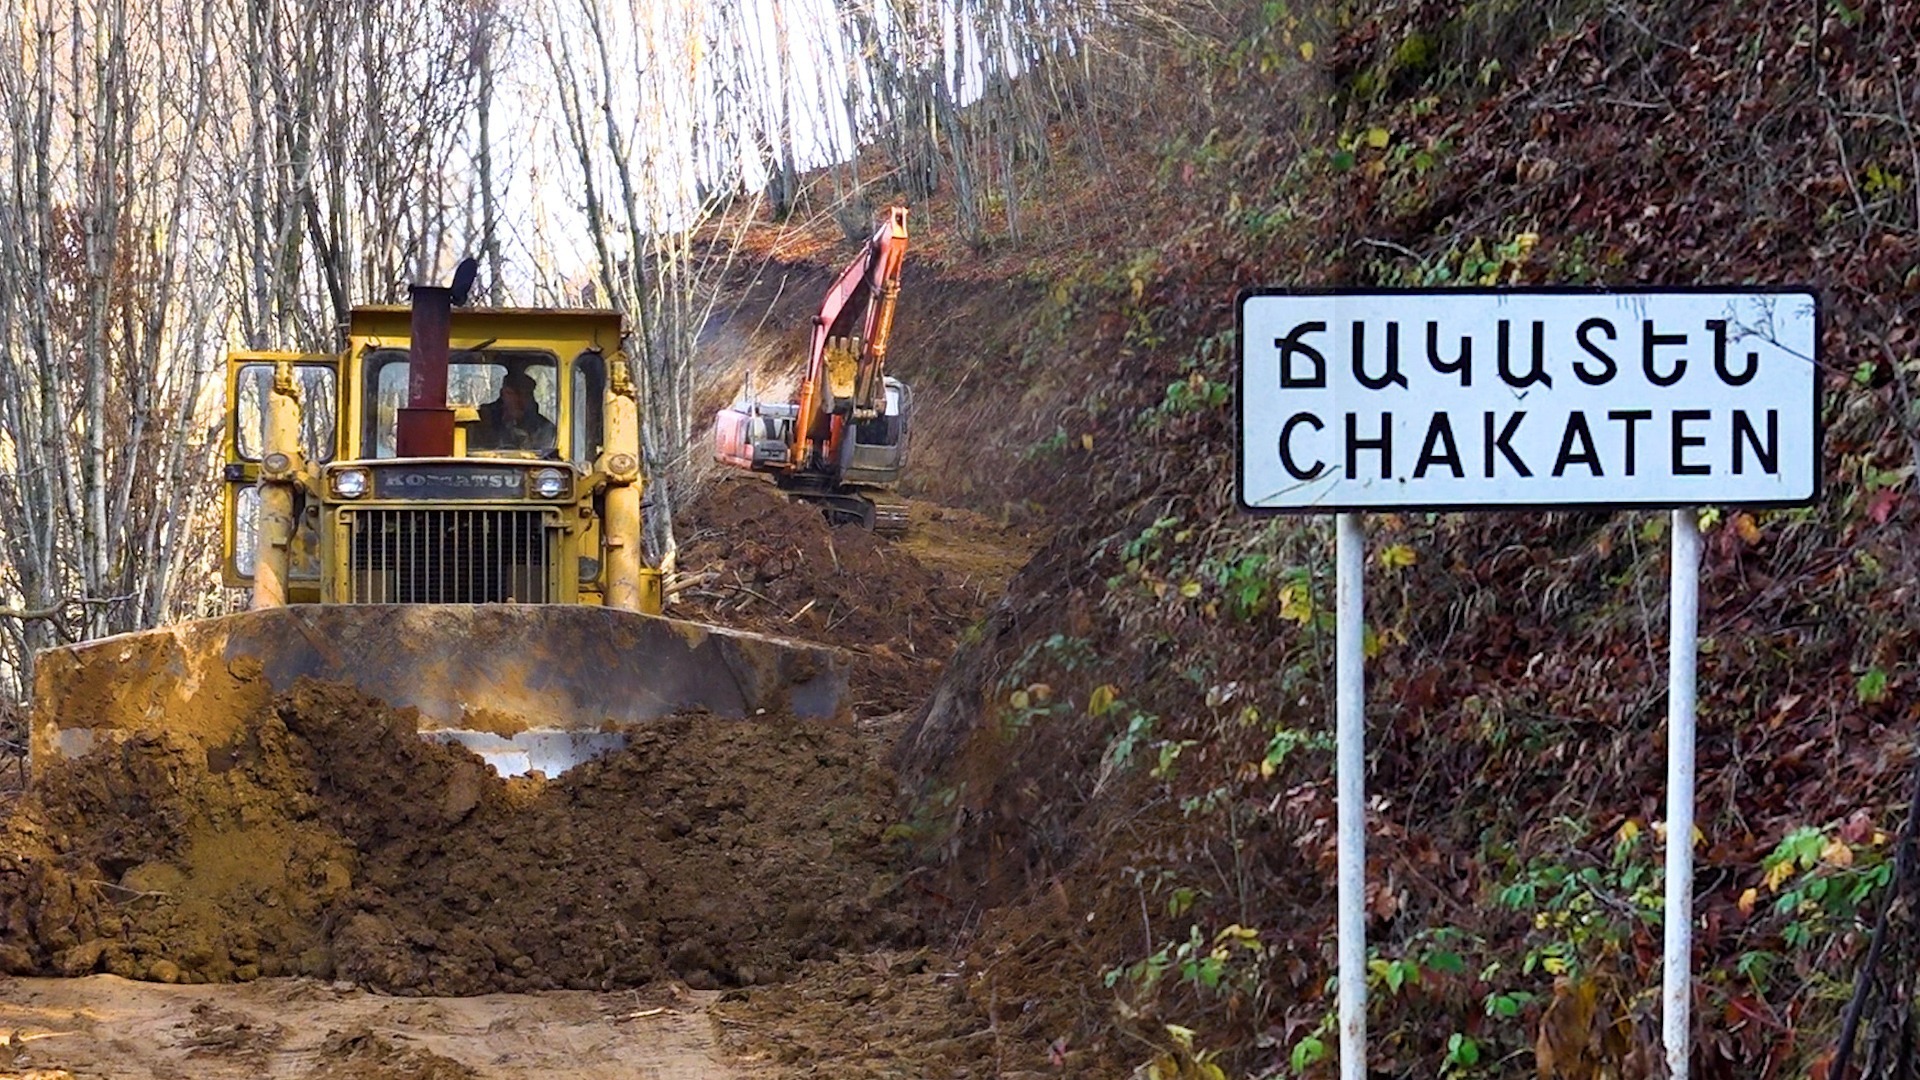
549	483
348	483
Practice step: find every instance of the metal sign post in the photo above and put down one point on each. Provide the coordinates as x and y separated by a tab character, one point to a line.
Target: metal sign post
1350	771
1488	399
1676	973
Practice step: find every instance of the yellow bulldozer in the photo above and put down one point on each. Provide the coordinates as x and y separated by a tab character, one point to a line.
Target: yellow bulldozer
445	515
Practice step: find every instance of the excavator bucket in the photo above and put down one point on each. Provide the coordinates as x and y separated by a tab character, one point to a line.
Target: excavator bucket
527	687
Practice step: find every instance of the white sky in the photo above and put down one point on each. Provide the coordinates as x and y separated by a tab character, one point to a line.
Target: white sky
544	233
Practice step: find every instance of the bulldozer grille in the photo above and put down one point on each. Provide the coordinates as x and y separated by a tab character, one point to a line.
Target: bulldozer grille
448	556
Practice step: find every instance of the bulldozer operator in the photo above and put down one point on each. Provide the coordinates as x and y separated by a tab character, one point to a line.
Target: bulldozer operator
512	420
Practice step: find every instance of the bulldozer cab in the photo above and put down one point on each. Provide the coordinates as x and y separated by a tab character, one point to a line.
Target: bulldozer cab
522	383
509	515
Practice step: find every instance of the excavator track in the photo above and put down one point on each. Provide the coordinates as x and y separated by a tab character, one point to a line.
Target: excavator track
883	514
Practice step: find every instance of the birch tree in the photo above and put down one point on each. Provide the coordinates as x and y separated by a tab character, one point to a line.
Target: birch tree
175	178
100	418
633	84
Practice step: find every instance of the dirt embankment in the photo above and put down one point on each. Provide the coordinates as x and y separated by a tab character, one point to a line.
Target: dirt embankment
756	561
331	840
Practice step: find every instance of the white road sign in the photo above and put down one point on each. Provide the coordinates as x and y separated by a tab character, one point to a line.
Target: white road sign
1481	399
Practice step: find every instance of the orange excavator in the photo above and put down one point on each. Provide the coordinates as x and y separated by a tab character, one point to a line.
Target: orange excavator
842	439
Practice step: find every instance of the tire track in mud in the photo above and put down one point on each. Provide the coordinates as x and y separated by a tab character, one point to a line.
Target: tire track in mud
300	1029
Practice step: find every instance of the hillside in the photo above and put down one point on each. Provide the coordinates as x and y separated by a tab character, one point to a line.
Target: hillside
1123	784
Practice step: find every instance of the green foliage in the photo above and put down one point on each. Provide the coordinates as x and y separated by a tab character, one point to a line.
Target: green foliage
1169	755
1481	263
1028	699
1139	733
1478	261
1203	383
1227	961
1584	912
1431	952
1581	260
1507	1005
1466	55
1821	881
1280	39
1872	687
1462	1052
1311	1050
1432	961
1189	395
1147	544
1063	651
1757	967
1050	446
1287	740
1243	582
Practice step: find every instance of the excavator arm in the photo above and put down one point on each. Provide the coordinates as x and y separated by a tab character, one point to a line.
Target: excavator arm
847	353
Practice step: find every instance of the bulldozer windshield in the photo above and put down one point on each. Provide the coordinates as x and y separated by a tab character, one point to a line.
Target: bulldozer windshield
515	392
251	383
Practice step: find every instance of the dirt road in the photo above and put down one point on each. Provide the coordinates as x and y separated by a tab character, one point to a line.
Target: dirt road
104	1026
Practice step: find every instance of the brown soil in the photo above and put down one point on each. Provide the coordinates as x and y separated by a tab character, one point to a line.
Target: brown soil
331	840
327	841
755	561
880	1015
364	1055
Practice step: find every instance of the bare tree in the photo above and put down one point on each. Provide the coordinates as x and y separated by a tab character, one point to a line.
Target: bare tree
131	132
178	177
630	102
102	413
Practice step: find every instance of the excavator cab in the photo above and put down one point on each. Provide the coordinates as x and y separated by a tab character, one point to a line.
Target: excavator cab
446	516
877	453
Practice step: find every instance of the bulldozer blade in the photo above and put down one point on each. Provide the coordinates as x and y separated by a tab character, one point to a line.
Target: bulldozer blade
527	687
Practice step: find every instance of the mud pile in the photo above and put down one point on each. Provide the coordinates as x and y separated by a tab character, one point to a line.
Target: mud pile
755	561
364	1055
882	1015
330	840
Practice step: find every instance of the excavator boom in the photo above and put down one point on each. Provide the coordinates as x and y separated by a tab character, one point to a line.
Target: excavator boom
858	310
